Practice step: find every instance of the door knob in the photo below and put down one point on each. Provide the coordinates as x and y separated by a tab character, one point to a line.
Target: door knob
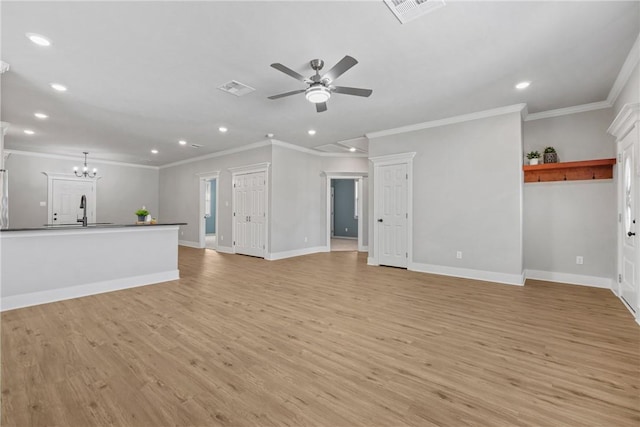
379	219
631	234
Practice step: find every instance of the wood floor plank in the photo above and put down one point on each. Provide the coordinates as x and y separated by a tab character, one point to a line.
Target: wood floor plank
322	340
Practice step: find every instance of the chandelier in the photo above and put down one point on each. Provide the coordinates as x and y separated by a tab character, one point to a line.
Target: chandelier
85	169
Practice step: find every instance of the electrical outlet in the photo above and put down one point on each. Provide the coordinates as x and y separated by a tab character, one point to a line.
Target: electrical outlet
221	237
579	260
346	229
182	233
43	204
305	239
459	254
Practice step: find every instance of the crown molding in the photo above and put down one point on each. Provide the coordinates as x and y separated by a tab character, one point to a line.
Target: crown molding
77	159
626	119
625	72
600	105
517	108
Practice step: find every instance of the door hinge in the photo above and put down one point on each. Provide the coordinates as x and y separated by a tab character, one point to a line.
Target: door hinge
406	215
619	217
234	243
406	254
234	214
406	176
619	158
619	278
234	185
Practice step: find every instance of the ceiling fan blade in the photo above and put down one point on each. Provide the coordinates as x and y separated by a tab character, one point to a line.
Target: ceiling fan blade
290	72
340	68
282	95
351	91
321	106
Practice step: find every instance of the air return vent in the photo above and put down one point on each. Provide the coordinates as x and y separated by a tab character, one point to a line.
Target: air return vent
408	10
236	88
196	145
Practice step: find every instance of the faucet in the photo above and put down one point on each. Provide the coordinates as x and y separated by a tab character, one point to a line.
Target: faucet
83	206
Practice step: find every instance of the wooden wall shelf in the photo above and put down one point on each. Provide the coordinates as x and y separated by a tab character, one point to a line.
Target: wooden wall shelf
570	171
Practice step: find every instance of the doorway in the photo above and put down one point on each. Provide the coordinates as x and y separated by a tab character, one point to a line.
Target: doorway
208	210
250	213
344	214
64	200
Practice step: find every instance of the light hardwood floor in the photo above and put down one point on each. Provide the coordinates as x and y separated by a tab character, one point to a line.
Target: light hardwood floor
322	340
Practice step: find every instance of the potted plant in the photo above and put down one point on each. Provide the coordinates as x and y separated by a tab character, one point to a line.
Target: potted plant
533	157
142	214
550	155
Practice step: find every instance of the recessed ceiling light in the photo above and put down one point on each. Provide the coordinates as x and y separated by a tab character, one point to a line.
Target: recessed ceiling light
352	149
182	142
222	129
58	87
38	39
29	132
311	132
41	116
523	85
154	151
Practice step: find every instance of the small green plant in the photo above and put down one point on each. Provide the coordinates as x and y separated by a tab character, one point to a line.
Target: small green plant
533	155
549	150
142	212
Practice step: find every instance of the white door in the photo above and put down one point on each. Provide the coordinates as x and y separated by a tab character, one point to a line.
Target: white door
65	201
392	215
629	280
250	213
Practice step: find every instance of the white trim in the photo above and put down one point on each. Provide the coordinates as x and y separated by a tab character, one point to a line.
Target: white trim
359	176
393	159
4	126
365	248
255	167
517	108
371	261
189	244
344	237
79	159
625	72
203	177
247	169
468	273
44	297
296	252
572	279
626	119
600	105
225	249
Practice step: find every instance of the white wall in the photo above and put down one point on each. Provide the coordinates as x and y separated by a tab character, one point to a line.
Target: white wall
180	188
121	189
575	218
467	196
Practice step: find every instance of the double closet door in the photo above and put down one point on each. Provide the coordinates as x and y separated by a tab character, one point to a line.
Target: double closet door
249	219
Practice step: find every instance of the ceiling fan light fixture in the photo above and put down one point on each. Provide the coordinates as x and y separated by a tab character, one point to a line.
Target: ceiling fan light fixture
317	94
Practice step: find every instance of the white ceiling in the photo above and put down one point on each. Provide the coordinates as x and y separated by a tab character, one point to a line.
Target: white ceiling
142	75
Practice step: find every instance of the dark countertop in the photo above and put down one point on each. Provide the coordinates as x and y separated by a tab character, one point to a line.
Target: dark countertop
89	227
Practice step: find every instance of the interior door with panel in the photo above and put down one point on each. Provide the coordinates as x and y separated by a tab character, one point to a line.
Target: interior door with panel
250	214
65	201
392	215
629	280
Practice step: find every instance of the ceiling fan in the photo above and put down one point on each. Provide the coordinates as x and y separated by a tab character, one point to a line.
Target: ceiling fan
320	87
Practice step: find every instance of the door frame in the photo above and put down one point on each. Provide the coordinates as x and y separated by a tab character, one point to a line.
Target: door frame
627	121
202	221
378	162
51	177
359	177
242	170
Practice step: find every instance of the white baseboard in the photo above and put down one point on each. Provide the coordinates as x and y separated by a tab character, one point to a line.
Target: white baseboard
344	237
468	273
44	297
371	261
363	249
225	249
296	252
189	244
572	279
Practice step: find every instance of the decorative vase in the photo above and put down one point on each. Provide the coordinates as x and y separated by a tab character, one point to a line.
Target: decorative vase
551	157
533	161
141	218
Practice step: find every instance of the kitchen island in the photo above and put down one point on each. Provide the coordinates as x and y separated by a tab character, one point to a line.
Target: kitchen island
52	263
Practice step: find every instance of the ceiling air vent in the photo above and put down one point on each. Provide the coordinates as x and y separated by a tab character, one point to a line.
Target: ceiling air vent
408	10
236	88
196	145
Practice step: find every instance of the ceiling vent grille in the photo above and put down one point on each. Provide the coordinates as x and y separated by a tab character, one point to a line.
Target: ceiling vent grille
408	10
236	88
196	145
